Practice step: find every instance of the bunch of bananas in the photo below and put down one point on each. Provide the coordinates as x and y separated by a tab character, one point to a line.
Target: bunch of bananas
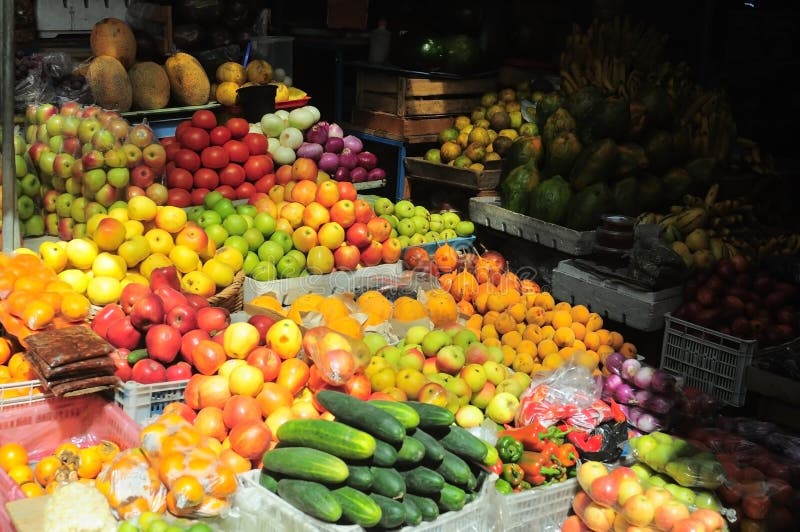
711	125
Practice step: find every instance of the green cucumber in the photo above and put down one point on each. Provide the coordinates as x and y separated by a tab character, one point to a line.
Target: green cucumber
461	442
311	498
400	411
451	498
423	481
413	513
432	416
471	496
332	437
136	355
357	507
359	478
454	469
426	505
385	455
434	452
387	482
306	464
362	415
268	481
393	513
411	452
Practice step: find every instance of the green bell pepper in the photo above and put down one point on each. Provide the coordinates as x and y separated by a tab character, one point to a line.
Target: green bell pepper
509	449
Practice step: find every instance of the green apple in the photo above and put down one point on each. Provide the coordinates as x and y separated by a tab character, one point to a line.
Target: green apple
450	219
250	262
264	222
34	226
432	236
193	214
435	222
264	271
246	209
383	206
288	267
419	210
209	217
464	338
406	227
404	241
392	355
421	224
270	251
237	242
404	209
284	239
298	256
475	376
502	408
465	228
469	416
224	207
235	224
254	238
216	233
433	341
447	234
374	341
417	239
415	334
212	198
392	219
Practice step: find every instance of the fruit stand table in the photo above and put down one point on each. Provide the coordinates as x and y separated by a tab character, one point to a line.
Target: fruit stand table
164	121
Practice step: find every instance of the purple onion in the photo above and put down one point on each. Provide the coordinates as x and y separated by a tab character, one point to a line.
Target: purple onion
630	368
612	382
624	394
642	396
663	382
354	143
614	362
643	377
658	404
310	150
328	162
634	413
335	130
318	133
367	159
648	423
376	174
334	144
348	159
342	174
358	174
625	410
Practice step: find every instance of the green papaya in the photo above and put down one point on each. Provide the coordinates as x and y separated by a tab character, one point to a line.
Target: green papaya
595	163
516	189
659	104
583	103
522	150
548	105
681	144
650	192
632	159
624	196
658	147
561	154
557	123
586	207
702	170
612	120
676	183
638	119
549	200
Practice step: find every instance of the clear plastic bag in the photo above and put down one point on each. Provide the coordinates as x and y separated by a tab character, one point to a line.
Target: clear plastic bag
687	465
336	356
131	485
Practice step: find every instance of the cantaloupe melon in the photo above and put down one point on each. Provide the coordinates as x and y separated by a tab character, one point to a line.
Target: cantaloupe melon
113	37
150	85
188	81
109	83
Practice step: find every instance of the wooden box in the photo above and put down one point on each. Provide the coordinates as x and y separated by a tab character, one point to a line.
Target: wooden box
406	129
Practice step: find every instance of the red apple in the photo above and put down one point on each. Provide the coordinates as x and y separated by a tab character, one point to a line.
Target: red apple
267	360
190	341
163	343
182	317
122	333
262	323
122	369
105	317
364	212
142	176
179	371
358	235
346	257
197	302
379	228
170	297
147	312
148	371
213	320
166	276
372	254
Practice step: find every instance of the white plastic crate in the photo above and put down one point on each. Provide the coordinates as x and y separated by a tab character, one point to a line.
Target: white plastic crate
708	360
542	509
256	508
20	393
145	401
614	300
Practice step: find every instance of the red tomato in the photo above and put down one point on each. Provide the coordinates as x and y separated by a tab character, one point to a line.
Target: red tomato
239	127
238	152
179	178
206	178
171	150
180	129
227	191
232	175
220	135
167	141
315	380
729	493
256	143
263	184
179	371
198	195
204	119
187	159
780	491
258	166
358	386
195	138
213	319
179	197
214	157
245	191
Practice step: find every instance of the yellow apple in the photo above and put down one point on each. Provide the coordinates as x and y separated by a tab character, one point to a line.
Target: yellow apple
184	259
199	283
229	365
133	228
141	208
285	338
75	278
171	219
81	253
133	277
109	265
119	213
160	241
93	222
103	290
155	260
239	339
219	272
53	255
134	250
230	256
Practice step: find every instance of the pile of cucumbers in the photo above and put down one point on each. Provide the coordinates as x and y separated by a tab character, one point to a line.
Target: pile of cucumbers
381	464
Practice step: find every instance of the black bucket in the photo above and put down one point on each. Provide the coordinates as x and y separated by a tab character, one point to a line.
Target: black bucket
256	101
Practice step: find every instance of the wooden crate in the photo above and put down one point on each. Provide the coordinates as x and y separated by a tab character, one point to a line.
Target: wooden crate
409	96
407	129
488	179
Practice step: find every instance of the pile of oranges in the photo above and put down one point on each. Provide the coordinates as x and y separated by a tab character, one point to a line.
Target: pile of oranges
15	368
67	463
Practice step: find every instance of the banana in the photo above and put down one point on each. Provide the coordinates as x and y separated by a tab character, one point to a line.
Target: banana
718	248
711	195
691	219
668	220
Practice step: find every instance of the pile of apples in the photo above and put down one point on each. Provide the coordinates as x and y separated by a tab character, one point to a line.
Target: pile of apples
205	156
89	159
29	191
448	367
415	225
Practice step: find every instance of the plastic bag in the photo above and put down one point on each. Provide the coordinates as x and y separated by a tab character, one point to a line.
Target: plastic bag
132	485
653	262
570	393
612	435
337	357
687	465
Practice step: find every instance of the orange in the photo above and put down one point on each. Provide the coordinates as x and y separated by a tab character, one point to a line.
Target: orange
29	283
234	461
38	314
5	350
579	329
563	305
333	307
564	337
580	314
579	345
592	340
497	301
305	169
5	374
107	450
32	489
552	361
224	483
604	335
74	307
304	191
465	308
21	473
188	491
90	462
46	469
561	318
566	352
12	454
490	317
66	451
347	326
594	322
546	347
603	351
547	331
616	340
408	309
628	350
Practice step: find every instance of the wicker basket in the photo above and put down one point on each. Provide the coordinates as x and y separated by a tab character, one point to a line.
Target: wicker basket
232	296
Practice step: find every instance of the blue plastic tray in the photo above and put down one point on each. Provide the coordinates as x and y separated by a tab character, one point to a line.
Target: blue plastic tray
459	243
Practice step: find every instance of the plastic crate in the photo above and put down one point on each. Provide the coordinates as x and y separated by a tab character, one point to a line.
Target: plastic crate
708	360
541	509
466	243
256	508
145	401
14	394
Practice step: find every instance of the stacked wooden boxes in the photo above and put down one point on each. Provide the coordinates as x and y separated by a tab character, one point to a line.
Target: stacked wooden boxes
413	109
